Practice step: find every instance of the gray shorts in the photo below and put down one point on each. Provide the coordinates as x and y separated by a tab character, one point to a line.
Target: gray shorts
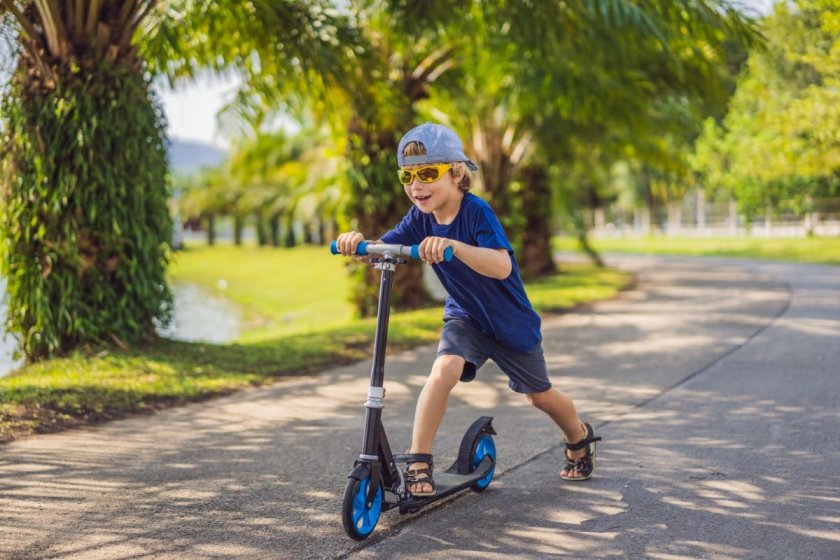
527	372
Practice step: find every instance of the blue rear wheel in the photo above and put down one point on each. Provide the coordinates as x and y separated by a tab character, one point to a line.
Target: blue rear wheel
483	447
358	516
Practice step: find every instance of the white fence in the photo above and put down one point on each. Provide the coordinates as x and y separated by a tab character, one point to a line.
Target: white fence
693	216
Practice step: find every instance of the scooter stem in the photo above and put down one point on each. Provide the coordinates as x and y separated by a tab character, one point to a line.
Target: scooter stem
383	315
373	413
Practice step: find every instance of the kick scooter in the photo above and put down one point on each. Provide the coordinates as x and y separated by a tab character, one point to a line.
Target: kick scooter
376	484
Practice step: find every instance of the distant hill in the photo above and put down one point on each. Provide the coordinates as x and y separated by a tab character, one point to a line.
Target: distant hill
187	156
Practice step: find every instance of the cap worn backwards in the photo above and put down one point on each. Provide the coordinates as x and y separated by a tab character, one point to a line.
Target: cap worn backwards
441	143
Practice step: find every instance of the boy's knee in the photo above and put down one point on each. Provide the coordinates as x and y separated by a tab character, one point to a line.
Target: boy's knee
541	400
447	369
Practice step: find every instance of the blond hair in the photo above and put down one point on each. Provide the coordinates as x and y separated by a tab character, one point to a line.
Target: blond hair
458	167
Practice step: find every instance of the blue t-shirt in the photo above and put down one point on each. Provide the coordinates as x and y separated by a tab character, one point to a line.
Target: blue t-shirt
500	308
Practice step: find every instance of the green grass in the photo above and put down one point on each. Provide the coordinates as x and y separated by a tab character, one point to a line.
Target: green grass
109	383
306	283
825	250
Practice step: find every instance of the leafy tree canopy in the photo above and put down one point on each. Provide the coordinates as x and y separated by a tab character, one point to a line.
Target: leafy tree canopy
780	140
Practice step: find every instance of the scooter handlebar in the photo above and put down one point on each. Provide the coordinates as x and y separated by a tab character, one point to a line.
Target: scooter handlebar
365	248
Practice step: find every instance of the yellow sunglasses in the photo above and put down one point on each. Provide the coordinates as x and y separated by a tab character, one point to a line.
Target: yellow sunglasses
426	174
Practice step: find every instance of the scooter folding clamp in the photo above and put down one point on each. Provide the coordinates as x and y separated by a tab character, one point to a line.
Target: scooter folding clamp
383	264
375	397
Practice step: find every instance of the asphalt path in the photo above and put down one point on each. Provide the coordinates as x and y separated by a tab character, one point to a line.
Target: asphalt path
713	382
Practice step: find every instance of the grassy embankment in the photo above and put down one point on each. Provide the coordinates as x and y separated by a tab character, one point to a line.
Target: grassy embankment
297	322
823	250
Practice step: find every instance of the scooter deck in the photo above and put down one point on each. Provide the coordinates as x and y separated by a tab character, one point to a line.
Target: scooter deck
448	483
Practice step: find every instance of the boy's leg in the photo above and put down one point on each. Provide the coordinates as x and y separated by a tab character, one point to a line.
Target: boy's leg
528	374
562	410
431	406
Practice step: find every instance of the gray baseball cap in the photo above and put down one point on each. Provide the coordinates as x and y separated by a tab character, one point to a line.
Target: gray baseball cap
441	143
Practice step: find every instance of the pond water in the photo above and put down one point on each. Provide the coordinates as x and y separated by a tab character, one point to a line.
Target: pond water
201	316
198	316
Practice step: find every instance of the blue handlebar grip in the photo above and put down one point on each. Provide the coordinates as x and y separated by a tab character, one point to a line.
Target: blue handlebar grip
448	253
361	248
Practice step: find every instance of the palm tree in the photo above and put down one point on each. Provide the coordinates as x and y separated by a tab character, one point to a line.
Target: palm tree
205	196
84	151
542	81
401	65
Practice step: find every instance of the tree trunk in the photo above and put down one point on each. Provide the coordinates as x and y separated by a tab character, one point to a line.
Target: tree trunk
238	227
599	218
322	232
211	229
583	239
733	217
537	259
376	205
502	194
289	238
86	222
701	210
260	228
274	229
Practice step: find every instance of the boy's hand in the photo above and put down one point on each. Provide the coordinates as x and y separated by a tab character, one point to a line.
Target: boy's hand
347	242
432	248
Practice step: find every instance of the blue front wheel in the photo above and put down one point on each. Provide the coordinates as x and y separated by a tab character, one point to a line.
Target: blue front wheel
358	516
483	447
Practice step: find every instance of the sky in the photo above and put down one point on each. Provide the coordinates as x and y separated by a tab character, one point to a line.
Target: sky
191	108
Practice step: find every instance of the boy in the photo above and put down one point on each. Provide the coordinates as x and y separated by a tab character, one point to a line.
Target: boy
487	313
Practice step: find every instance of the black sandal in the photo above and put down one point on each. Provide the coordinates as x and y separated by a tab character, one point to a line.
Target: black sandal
583	466
418	476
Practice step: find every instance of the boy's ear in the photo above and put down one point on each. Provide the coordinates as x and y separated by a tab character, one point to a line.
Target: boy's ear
457	173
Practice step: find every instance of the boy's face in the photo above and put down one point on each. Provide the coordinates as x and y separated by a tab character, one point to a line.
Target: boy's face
441	194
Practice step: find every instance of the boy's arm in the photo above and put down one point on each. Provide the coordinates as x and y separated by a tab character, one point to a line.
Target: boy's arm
494	263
